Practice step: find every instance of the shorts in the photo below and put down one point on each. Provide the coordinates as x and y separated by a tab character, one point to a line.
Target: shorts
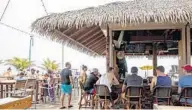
91	91
66	89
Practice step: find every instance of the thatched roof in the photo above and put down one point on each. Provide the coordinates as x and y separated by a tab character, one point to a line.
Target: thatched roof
80	22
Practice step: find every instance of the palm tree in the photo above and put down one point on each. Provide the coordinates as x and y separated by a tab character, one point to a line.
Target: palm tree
1	61
50	65
19	63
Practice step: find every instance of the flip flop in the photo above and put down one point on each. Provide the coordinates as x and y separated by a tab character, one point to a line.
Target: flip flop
62	107
70	106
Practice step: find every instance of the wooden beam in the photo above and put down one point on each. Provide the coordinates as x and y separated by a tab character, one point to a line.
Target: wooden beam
87	33
99	47
147	26
68	30
94	39
97	34
101	51
77	33
62	34
154	58
96	46
96	42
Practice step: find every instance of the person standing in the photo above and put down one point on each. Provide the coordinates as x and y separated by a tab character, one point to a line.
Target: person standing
66	85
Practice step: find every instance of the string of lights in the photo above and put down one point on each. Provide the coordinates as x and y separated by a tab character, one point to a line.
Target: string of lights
15	29
44	7
5	10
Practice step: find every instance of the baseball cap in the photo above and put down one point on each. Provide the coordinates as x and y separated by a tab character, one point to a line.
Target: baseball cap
187	67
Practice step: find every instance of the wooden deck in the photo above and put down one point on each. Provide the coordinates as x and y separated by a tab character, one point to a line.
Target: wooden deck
57	105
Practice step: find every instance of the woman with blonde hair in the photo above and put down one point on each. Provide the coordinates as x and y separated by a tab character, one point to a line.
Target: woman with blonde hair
82	78
83	75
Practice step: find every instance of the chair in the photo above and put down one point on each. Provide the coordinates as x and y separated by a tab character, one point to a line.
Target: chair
185	95
19	88
88	96
57	86
102	95
134	96
162	95
76	86
30	89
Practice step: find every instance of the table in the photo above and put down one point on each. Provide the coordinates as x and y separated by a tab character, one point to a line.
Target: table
7	83
10	83
163	107
16	102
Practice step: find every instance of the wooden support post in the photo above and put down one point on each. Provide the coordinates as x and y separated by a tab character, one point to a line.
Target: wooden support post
154	58
184	46
107	49
182	51
188	45
110	48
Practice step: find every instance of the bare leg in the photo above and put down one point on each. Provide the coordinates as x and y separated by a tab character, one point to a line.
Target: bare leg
62	99
69	100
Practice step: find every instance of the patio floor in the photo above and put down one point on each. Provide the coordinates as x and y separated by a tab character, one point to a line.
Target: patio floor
57	105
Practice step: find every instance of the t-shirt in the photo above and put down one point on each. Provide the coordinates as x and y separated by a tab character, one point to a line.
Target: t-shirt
185	81
65	74
90	81
133	80
163	81
105	81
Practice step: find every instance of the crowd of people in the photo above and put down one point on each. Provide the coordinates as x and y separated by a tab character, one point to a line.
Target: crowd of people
109	79
45	80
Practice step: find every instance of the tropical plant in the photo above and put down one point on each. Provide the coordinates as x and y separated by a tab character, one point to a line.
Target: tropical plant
50	65
19	63
1	61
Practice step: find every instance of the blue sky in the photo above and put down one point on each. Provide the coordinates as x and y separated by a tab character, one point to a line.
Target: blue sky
21	13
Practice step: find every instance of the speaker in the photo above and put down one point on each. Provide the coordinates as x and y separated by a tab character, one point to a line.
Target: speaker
176	35
127	36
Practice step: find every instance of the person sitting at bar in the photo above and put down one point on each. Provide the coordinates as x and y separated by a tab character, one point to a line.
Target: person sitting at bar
185	81
109	79
91	81
32	75
21	76
132	80
161	80
7	73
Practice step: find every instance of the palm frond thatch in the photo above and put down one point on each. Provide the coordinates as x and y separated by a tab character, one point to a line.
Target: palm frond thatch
120	13
124	13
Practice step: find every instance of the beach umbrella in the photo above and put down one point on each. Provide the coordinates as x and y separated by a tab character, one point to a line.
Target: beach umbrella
146	68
